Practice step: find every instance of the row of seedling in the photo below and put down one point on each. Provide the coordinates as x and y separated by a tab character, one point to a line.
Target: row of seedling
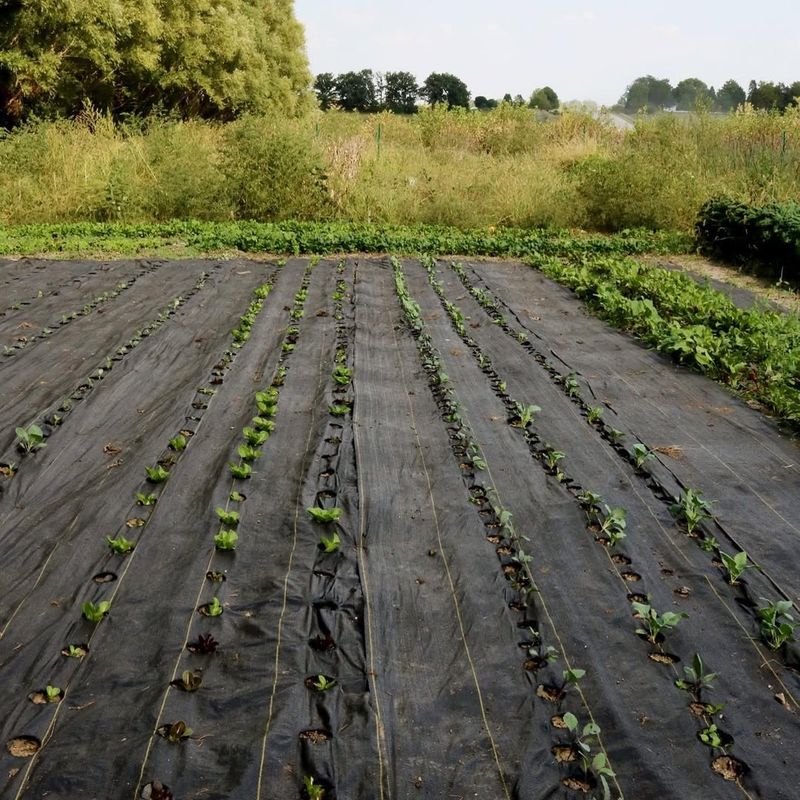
227	536
584	750
23	341
329	520
121	546
31	437
607	523
775	619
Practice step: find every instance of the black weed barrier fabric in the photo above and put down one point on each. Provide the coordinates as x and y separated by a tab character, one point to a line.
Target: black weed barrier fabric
357	529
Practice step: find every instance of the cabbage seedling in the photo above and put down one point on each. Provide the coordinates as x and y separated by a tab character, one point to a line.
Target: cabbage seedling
95	612
339	410
74	651
248	453
323	684
313	789
145	499
654	623
710	736
30	439
156	474
525	415
330	544
178	444
226	540
691	509
121	546
595	415
552	458
735	565
342	375
254	437
262	424
229	518
614	523
241	471
777	624
324	514
214	608
190	681
641	454
697	678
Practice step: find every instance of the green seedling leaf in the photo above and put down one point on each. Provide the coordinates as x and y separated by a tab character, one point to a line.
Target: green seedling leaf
214	608
262	424
735	565
95	612
53	693
313	790
342	375
226	540
121	546
190	681
241	471
254	437
178	444
30	439
571	721
74	651
691	509
777	624
237	497
248	453
641	454
156	474
330	544
323	684
337	410
145	499
595	415
324	514
229	518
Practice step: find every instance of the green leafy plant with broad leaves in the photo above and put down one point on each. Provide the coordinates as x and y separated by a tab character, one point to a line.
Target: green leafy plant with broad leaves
776	623
143	499
95	612
524	415
248	452
697	677
178	444
52	693
263	425
236	497
226	540
330	544
735	565
30	439
552	458
339	410
214	607
710	736
323	684
615	521
324	514
642	454
585	738
571	677
654	624
691	509
342	375
74	651
156	474
120	546
241	471
255	438
229	518
594	415
590	500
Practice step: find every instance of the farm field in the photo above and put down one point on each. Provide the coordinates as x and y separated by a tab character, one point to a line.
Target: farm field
371	527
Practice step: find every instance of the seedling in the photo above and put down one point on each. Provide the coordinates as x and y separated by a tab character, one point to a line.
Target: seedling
324	514
597	764
263	424
190	681
229	518
525	415
571	677
571	386
590	500
52	693
710	736
697	678
595	415
205	644
176	732
95	612
654	623
237	497
641	454
616	434
254	437
691	509
214	608
156	474
552	458
330	544
735	565
313	789
74	651
178	444
777	624
121	546
338	410
145	499
241	471
614	523
323	684
342	375
248	453
709	544
30	439
226	540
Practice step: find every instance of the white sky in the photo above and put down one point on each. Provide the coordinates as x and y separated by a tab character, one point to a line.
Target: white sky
584	50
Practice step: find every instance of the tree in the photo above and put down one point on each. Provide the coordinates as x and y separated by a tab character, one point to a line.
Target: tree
647	92
730	96
210	58
325	87
442	87
689	92
401	92
765	95
484	103
356	91
545	99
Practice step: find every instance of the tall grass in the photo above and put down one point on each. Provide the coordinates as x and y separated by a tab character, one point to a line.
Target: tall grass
508	167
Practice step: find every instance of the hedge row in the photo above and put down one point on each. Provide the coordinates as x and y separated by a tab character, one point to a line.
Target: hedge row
765	238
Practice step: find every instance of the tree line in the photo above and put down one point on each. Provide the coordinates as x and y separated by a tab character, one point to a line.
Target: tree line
399	92
656	94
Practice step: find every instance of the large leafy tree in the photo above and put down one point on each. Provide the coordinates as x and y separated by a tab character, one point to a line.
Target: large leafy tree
213	58
401	92
647	92
544	99
730	96
356	91
442	87
690	93
325	87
